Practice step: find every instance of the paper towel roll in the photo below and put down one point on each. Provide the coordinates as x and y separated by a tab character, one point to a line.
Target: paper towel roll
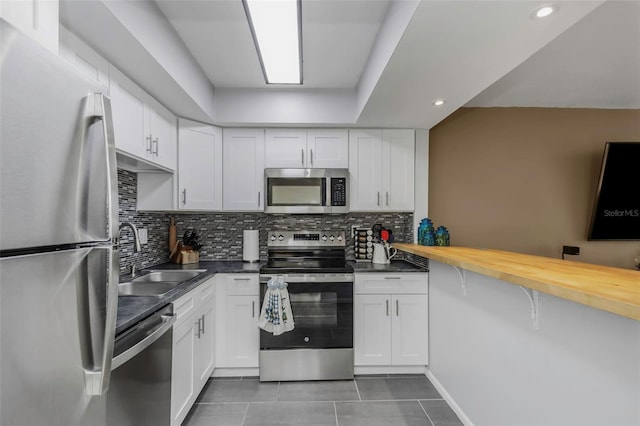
250	245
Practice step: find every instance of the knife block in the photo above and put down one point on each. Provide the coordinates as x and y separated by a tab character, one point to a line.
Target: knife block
183	255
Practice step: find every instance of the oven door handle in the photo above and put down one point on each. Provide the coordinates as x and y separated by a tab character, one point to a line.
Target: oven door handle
163	327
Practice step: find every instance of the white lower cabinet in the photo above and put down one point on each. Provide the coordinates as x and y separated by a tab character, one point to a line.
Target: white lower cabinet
205	343
391	319
182	372
237	321
193	355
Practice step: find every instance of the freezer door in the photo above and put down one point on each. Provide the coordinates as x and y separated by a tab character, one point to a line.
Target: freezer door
58	177
57	321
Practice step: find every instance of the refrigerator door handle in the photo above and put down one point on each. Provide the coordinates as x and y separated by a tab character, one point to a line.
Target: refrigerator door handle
97	312
98	108
98	317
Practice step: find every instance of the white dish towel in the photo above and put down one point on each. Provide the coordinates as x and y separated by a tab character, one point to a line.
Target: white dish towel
276	316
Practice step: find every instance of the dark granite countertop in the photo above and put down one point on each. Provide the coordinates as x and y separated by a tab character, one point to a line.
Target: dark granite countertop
133	309
394	266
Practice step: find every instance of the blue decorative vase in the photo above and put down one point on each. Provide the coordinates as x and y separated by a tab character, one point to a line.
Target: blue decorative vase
426	236
442	237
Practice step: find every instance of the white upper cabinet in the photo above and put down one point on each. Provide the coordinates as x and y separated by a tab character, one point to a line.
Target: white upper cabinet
381	166
85	59
38	19
286	148
295	148
143	128
127	105
398	153
243	169
328	148
199	166
365	169
162	129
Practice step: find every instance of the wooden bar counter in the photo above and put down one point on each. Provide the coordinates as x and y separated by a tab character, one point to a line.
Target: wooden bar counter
610	289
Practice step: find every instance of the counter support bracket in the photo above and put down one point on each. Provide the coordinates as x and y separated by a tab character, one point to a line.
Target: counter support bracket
463	279
532	295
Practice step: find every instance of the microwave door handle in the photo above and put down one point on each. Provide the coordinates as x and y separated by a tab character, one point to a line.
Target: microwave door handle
325	192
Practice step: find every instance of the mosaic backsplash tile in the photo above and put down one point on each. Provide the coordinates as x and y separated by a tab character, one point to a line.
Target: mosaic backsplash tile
221	233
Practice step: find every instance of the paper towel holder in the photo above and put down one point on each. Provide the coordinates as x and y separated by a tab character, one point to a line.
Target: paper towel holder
250	245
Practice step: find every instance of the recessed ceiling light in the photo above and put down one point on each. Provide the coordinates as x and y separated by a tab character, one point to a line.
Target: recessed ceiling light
275	26
438	102
544	11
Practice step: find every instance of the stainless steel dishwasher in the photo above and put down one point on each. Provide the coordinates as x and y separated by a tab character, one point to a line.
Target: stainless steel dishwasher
140	389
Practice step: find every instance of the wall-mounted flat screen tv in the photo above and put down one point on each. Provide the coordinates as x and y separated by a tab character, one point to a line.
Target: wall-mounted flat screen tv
616	210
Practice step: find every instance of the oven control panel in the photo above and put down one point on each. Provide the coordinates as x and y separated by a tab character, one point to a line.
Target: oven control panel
306	239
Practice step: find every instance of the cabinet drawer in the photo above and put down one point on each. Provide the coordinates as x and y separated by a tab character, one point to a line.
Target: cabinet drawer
206	291
243	285
186	305
378	283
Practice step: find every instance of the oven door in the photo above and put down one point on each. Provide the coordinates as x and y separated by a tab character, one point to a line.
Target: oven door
322	313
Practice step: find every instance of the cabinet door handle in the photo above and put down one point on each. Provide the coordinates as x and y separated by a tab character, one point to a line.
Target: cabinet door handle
392	278
302	156
312	157
258	198
155	141
184	196
149	148
198	330
241	279
253	309
378	199
387	302
387	198
203	332
397	308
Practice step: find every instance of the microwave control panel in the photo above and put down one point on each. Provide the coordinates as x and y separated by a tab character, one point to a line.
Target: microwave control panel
338	191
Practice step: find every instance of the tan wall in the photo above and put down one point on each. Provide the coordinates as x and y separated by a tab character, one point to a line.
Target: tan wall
523	179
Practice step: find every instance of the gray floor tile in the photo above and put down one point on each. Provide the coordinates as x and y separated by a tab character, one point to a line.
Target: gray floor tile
226	414
396	388
238	391
291	413
440	413
370	376
407	376
385	413
338	390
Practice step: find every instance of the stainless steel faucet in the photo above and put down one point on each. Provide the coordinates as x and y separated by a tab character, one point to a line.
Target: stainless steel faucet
136	238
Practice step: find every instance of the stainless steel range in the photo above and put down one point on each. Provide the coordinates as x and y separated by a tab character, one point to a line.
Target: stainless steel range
320	347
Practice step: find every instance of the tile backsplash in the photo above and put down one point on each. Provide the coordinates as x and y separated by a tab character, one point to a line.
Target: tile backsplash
221	233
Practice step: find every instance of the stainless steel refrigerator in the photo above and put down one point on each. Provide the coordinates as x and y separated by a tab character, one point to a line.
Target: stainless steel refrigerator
58	240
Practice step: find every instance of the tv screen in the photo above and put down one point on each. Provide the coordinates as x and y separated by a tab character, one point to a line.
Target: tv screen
616	210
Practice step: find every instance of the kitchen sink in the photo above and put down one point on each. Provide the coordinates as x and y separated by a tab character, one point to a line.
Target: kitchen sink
156	283
147	288
163	276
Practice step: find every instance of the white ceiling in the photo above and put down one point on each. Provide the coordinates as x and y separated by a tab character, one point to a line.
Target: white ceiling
337	37
594	64
382	62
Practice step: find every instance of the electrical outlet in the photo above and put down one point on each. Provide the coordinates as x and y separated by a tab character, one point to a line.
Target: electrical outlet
142	235
572	250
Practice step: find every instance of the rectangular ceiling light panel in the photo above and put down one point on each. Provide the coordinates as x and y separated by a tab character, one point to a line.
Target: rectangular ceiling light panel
276	31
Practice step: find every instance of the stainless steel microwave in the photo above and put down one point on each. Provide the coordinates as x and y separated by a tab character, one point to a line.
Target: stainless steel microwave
306	190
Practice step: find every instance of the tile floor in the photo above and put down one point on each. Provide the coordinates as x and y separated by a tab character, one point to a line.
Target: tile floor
368	401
